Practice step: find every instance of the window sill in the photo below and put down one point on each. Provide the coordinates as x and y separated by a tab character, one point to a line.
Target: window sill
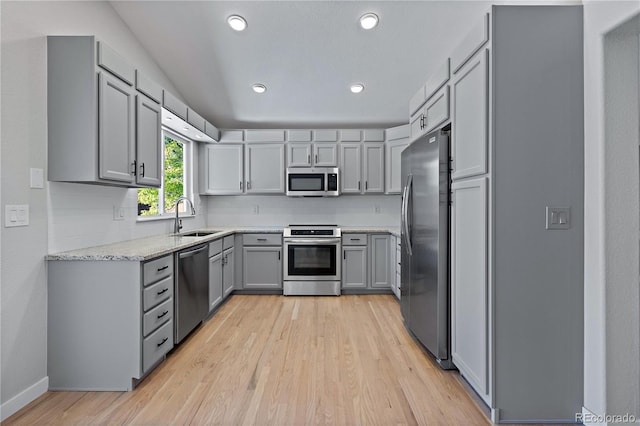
142	219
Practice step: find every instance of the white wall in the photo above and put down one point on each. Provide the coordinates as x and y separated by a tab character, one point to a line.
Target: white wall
278	210
605	203
59	210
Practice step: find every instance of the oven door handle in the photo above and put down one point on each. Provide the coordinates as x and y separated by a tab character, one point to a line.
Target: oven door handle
307	241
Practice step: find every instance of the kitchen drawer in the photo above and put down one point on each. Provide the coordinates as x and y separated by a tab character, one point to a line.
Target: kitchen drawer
115	64
157	269
157	293
354	239
157	316
262	239
215	247
228	242
157	345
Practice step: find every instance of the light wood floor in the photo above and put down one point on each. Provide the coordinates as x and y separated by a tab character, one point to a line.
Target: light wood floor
282	361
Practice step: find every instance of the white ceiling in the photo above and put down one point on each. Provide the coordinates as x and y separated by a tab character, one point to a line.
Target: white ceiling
307	53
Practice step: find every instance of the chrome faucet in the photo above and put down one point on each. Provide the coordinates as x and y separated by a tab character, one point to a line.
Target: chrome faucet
177	226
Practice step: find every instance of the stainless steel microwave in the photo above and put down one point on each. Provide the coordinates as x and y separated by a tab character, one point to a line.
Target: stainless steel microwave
313	182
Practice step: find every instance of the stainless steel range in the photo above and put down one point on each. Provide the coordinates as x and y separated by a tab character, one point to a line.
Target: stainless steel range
312	260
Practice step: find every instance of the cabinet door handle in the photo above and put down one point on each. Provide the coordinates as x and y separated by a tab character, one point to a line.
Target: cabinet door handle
163	314
248	184
133	168
366	185
163	268
316	158
358	185
162	291
278	255
344	254
163	341
240	185
142	169
309	158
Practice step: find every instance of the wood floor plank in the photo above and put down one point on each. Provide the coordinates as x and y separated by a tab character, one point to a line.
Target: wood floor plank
275	360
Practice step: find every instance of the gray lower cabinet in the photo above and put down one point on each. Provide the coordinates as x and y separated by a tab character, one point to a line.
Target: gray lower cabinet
379	261
228	276
215	281
107	332
262	261
354	261
221	270
354	267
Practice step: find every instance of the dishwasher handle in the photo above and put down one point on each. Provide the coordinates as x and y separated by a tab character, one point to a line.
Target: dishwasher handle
190	253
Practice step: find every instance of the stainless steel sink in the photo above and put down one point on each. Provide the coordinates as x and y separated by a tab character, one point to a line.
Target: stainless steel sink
197	233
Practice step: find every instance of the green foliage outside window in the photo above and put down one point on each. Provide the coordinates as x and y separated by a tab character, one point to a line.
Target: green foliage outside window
173	184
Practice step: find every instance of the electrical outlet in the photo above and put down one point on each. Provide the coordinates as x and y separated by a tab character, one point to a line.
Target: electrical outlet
118	213
558	217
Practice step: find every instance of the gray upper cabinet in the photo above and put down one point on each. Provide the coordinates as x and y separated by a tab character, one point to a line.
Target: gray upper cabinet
321	154
298	154
222	169
148	141
116	131
350	167
470	129
325	154
429	107
373	167
362	167
96	127
264	168
397	140
174	105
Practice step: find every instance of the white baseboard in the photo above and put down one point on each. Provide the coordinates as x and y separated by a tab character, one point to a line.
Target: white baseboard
22	399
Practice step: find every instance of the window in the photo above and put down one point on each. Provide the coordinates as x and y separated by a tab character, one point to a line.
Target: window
156	202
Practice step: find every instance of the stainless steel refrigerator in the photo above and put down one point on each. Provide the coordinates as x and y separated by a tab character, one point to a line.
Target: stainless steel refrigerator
425	243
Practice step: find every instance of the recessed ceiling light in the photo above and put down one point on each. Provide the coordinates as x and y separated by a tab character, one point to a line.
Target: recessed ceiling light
198	136
357	88
185	128
368	21
237	22
259	88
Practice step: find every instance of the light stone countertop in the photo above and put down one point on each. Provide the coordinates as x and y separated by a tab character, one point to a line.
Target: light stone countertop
143	249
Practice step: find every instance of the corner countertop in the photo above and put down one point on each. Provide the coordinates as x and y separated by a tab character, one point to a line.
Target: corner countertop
143	249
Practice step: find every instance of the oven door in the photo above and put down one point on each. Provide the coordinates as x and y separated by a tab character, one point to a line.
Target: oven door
312	259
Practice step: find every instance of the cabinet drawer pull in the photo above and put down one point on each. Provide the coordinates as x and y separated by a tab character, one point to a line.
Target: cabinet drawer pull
163	291
163	341
163	268
163	314
354	239
261	239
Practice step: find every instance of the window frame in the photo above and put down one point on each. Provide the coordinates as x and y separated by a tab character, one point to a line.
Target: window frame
187	177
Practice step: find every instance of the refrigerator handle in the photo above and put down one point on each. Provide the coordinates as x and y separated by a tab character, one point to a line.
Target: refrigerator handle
405	213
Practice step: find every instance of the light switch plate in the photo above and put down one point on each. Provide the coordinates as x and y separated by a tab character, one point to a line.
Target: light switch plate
558	217
118	213
16	215
37	178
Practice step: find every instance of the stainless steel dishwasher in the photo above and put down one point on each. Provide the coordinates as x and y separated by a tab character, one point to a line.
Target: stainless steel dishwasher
191	289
